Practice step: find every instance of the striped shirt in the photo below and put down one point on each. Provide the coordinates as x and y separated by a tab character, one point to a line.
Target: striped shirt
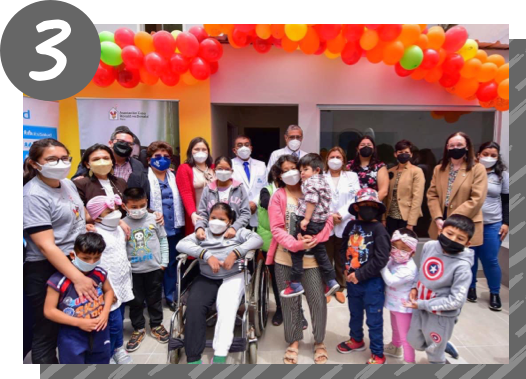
124	171
316	190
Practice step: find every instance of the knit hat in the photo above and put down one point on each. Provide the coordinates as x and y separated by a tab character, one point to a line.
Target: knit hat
367	194
98	204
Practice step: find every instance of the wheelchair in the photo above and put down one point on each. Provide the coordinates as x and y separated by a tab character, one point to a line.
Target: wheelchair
252	313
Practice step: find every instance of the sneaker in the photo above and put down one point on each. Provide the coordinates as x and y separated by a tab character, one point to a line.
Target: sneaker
350	346
160	334
331	287
452	350
293	289
121	357
136	339
393	351
494	302
472	295
376	360
112	361
340	297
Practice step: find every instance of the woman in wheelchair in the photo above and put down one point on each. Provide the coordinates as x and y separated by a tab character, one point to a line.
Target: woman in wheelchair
220	282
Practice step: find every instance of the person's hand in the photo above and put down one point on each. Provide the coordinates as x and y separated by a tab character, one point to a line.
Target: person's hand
90	228
229	261
200	234
214	264
230	233
195	217
159	218
384	223
303	224
413	294
410	227
86	287
410	304
253	207
162	268
440	224
503	232
88	324
337	218
352	278
126	229
102	321
308	241
79	177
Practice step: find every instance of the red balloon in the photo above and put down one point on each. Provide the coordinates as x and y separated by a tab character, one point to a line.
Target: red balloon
164	43
456	37
245	28
262	45
372	26
199	32
389	32
128	78
211	50
199	68
431	59
453	63
170	78
124	37
449	79
240	38
487	91
155	64
329	31
402	72
352	32
276	42
351	53
321	49
187	44
214	66
104	76
132	57
179	64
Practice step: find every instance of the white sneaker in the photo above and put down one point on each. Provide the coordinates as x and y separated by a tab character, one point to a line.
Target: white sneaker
112	361
122	357
393	351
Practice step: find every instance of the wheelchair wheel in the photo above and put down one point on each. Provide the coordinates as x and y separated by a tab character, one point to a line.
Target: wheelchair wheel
175	356
261	297
253	353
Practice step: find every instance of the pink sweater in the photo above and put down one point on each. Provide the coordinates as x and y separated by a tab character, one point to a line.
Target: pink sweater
276	214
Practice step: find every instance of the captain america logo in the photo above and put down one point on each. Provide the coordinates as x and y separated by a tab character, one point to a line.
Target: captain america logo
433	268
435	337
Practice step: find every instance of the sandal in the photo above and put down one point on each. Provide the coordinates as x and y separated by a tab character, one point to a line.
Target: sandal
291	356
320	358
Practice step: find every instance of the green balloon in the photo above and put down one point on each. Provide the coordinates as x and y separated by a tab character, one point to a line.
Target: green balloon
110	53
413	57
106	36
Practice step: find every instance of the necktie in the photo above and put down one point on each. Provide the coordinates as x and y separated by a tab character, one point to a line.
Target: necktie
296	154
247	170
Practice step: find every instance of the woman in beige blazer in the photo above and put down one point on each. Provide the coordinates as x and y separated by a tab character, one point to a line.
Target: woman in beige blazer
459	186
406	190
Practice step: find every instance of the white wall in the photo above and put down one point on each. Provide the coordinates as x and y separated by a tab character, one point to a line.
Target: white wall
113	27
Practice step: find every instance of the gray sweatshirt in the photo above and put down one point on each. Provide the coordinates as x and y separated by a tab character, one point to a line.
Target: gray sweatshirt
219	247
443	280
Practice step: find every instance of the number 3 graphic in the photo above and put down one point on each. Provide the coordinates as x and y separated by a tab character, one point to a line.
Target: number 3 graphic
47	48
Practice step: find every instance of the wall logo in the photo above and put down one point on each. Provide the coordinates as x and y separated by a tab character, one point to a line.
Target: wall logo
114	114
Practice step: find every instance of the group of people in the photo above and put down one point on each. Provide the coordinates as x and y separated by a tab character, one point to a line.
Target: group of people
109	238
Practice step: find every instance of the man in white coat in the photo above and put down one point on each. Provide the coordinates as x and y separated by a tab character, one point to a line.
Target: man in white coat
293	139
251	172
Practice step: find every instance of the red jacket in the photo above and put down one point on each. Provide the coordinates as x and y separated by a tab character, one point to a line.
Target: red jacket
185	183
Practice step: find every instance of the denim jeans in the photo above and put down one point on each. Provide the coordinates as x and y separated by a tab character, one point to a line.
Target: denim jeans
488	253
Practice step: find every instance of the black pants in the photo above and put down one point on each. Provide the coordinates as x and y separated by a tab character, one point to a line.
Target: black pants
319	252
45	332
149	287
275	289
393	224
202	297
334	246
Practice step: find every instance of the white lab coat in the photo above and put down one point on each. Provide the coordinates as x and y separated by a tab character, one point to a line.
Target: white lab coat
278	153
258	180
342	197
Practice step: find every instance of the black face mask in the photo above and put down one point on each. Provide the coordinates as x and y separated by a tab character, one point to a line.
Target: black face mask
368	213
366	151
457	153
403	158
449	246
122	149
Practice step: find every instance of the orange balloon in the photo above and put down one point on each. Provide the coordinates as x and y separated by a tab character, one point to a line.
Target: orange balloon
487	72
213	29
436	116
144	42
277	30
503	73
410	34
466	87
311	42
436	37
434	75
443	55
393	52
288	45
487	104
147	78
497	59
330	55
502	104
504	89
422	27
369	39
232	43
471	68
263	31
337	44
227	28
423	42
419	73
376	54
482	56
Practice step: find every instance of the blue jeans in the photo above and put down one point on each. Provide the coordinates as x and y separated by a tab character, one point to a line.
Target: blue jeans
170	273
368	296
115	323
488	253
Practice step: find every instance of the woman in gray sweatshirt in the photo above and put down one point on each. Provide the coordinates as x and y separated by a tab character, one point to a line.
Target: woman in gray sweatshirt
220	281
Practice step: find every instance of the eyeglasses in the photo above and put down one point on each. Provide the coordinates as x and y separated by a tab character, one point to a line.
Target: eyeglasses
130	144
53	161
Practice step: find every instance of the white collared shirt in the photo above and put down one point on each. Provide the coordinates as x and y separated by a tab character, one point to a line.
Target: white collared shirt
278	153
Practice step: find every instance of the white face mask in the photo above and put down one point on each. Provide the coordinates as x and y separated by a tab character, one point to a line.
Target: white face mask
112	220
223	175
137	214
217	226
335	163
59	171
84	266
294	144
200	157
244	152
291	177
488	162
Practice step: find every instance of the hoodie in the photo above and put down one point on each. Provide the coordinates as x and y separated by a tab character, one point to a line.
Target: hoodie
443	280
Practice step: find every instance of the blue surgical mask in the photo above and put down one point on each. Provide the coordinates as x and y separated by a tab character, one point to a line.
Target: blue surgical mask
84	266
160	164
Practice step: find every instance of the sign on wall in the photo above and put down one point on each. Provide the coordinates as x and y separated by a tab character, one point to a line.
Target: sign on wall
40	121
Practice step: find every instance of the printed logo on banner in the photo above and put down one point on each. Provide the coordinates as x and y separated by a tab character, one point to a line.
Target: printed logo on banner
39	132
114	114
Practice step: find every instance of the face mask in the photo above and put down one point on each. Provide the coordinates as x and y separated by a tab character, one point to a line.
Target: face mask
84	266
456	153
217	226
244	152
122	149
449	246
223	175
366	151
101	167
136	214
335	164
488	162
403	158
291	177
200	157
294	144
59	171
400	256
368	213
112	220
160	164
